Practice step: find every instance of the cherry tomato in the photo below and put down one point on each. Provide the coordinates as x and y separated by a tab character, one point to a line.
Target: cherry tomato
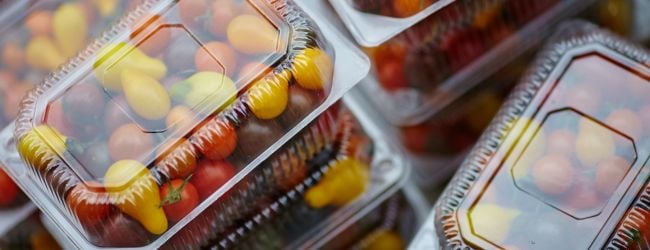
57	119
129	142
39	23
156	42
406	8
609	173
210	176
178	199
13	97
8	189
583	97
13	56
553	174
116	114
626	121
82	201
562	142
121	230
583	195
391	75
191	11
83	103
223	11
218	142
217	57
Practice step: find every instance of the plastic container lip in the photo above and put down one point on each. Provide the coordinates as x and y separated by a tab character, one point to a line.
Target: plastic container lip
529	101
371	30
350	66
414	107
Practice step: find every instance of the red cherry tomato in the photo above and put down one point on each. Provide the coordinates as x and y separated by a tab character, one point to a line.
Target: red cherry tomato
210	176
178	198
82	201
391	75
584	98
609	174
218	142
8	189
190	11
562	142
553	174
626	121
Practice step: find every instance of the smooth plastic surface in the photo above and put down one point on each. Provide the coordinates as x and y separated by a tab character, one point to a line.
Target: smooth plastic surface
425	68
113	136
563	164
39	36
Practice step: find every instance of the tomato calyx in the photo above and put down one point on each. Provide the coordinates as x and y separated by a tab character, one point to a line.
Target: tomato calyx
174	194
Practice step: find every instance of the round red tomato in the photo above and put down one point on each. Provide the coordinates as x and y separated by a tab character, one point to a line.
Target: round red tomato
89	201
8	189
190	11
391	75
178	198
219	142
210	176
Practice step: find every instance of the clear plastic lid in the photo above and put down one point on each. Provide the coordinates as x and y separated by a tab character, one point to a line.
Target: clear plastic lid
563	164
392	8
426	67
124	136
39	36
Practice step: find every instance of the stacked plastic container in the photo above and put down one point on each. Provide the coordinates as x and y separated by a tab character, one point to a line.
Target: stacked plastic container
30	233
562	166
422	74
387	223
203	123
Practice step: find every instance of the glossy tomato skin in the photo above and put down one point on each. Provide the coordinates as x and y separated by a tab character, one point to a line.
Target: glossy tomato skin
8	190
210	176
188	199
220	141
81	200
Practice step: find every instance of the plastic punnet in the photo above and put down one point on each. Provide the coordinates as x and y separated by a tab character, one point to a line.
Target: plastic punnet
426	67
153	140
563	164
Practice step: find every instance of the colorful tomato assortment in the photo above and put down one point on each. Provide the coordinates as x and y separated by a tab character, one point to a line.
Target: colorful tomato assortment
566	155
426	55
163	120
44	36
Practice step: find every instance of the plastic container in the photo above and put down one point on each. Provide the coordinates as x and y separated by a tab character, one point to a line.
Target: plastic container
105	135
426	237
562	166
423	69
38	36
371	26
29	234
388	223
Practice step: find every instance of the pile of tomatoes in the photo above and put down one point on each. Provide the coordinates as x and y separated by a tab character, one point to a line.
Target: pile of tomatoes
177	115
49	34
428	53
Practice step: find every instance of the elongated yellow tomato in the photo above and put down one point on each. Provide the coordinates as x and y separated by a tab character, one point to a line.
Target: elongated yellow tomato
343	183
134	190
205	91
42	53
145	95
113	59
251	34
312	68
38	141
268	97
70	28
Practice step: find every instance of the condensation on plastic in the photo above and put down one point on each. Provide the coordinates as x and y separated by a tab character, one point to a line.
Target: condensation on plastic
396	214
371	29
568	190
318	75
426	67
37	39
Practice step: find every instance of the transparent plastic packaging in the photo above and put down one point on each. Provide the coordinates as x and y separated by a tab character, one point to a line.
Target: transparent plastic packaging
562	166
426	67
38	36
388	223
333	168
161	142
30	233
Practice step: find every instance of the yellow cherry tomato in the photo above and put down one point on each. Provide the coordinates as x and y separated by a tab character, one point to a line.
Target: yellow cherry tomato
134	190
387	240
145	95
36	144
269	96
113	59
312	68
594	143
70	27
205	91
343	183
492	222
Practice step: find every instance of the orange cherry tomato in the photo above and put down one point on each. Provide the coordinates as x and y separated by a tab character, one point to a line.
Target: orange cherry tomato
216	56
